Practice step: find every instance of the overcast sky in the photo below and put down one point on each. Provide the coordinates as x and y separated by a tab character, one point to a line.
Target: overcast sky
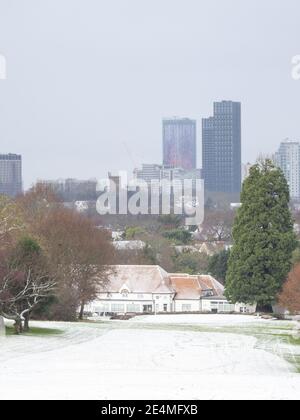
89	81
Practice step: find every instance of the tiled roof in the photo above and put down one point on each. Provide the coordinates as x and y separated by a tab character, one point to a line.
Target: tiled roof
194	287
141	279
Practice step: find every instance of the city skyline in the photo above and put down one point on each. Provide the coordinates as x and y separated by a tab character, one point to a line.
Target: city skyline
108	77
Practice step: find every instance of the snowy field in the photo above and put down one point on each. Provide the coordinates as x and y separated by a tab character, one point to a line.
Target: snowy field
163	357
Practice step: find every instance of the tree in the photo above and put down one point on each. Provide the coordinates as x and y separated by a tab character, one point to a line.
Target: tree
191	263
170	221
80	253
179	236
24	282
218	225
263	239
218	265
290	296
12	224
132	233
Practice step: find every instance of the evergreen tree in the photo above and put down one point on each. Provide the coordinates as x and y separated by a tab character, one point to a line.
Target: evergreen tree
218	265
264	240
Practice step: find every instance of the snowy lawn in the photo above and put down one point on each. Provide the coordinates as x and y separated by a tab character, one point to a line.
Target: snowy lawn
163	357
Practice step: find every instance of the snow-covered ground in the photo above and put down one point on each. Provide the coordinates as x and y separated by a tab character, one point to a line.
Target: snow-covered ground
148	359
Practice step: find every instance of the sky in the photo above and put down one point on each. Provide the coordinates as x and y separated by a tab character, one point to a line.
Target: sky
89	81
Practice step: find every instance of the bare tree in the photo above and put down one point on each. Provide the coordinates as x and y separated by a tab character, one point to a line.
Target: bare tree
80	253
218	225
290	295
12	224
24	283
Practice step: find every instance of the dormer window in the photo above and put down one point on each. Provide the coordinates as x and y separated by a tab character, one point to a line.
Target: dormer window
208	293
125	293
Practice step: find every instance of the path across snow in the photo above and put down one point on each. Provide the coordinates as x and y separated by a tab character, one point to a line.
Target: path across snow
131	361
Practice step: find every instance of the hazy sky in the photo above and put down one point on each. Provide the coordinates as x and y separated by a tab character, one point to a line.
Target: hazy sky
86	77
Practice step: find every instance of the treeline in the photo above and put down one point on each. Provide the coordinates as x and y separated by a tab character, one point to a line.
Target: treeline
52	259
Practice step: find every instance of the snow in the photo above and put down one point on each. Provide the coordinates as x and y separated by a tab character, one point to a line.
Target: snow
143	359
209	319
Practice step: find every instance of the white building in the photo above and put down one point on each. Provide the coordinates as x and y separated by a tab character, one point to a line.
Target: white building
129	245
150	289
288	159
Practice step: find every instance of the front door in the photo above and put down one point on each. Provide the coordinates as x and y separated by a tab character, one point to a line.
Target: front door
147	309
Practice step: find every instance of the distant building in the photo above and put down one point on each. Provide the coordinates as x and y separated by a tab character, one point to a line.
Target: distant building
129	245
11	175
221	148
157	173
288	159
150	289
180	143
149	173
70	190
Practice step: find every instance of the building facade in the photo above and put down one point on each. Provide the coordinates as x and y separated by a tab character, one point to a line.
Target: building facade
150	289
72	189
180	143
221	148
11	175
155	174
288	159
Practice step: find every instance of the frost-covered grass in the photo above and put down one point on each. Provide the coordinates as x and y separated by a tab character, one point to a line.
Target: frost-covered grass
35	331
163	357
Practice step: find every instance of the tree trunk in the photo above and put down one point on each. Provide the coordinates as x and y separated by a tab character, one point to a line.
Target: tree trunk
26	322
81	312
18	326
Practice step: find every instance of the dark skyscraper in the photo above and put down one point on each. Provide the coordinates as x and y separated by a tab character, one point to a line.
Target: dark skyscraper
180	143
221	148
10	175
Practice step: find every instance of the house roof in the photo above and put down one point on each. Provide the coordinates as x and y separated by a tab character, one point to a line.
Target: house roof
186	287
194	287
129	245
139	279
142	279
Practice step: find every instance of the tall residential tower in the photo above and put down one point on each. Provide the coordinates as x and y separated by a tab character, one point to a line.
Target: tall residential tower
180	143
10	175
288	159
221	148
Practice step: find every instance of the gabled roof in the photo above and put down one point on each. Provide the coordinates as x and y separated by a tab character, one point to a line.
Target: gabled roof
152	279
139	279
194	287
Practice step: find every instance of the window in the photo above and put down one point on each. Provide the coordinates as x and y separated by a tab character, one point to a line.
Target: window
117	308
186	308
165	308
140	296
133	308
125	293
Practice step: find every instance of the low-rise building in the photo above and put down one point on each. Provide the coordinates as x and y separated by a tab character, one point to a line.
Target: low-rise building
150	289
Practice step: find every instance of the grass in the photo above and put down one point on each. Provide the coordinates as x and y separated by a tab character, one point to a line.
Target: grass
270	338
34	331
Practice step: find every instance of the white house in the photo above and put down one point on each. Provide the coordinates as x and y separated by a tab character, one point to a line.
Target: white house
129	245
150	289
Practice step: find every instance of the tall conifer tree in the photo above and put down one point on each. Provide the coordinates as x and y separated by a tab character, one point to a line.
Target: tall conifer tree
264	239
